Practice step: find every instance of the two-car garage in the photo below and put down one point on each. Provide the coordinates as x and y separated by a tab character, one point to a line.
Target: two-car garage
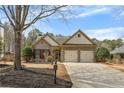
84	56
78	48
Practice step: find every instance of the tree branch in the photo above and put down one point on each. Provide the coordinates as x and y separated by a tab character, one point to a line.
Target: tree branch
24	15
4	10
53	10
1	25
11	12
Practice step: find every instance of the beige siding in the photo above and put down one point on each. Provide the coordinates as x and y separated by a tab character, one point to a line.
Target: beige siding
78	40
50	41
41	46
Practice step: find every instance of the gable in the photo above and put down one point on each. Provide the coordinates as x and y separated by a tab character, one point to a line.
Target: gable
41	45
51	41
78	38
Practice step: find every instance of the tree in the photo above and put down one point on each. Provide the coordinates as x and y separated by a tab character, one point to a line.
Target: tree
27	53
59	35
111	44
1	45
51	34
97	42
102	53
19	16
32	36
8	37
23	41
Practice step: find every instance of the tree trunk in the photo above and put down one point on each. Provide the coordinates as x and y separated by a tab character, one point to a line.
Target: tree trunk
17	61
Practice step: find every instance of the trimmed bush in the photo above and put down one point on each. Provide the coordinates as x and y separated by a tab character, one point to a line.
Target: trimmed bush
102	54
26	53
50	59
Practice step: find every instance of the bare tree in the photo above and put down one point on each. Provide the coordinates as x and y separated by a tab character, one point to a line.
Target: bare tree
8	38
23	16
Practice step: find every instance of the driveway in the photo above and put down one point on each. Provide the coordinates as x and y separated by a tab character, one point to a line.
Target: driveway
94	75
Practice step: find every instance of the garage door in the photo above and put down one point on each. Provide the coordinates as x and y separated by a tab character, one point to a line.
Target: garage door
71	55
86	56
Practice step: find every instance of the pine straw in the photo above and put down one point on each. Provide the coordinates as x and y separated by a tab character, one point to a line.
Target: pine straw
36	78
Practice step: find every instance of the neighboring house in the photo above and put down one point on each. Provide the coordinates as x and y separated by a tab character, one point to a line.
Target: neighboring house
118	54
119	50
76	48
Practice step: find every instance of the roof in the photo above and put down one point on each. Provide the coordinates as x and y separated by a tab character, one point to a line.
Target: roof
53	40
118	50
38	40
61	39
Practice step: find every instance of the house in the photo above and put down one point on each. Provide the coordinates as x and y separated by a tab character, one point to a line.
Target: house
119	50
76	48
118	54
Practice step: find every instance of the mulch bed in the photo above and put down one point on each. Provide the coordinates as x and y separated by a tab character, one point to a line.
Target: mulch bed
35	78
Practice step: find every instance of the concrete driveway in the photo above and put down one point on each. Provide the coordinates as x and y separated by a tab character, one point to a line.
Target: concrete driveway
94	75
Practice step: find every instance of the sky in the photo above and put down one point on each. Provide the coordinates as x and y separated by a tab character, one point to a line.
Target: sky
101	22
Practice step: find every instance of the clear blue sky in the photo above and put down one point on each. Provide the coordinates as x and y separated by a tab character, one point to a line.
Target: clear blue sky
101	22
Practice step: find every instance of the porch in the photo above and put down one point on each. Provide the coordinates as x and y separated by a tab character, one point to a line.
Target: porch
44	55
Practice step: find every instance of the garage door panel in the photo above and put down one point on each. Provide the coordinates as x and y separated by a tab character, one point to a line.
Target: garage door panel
71	56
86	56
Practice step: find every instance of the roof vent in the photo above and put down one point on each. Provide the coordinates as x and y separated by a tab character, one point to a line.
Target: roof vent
79	35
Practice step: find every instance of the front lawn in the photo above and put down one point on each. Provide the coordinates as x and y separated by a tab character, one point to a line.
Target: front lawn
32	77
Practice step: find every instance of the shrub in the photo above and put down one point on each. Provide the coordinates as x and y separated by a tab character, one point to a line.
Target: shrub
102	54
122	55
8	53
26	53
117	56
50	59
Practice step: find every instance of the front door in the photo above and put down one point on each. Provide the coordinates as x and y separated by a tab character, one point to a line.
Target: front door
37	53
57	55
42	54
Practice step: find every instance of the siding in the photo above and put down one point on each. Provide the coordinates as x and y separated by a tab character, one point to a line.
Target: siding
78	40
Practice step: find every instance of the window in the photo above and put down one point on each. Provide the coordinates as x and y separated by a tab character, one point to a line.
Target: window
79	35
